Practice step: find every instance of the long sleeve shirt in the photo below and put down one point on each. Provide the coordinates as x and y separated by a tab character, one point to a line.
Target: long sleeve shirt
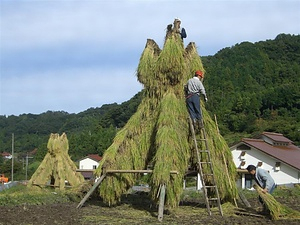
195	86
264	179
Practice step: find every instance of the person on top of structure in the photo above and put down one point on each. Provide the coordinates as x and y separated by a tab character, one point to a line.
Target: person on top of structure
193	89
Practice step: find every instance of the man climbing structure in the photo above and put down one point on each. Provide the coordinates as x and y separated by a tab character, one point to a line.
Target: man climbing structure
193	89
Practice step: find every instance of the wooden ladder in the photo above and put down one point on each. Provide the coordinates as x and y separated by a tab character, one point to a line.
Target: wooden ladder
204	161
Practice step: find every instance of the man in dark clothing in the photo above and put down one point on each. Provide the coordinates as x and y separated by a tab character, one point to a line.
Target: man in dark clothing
193	89
264	180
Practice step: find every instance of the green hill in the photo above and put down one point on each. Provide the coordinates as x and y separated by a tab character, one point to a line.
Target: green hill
255	87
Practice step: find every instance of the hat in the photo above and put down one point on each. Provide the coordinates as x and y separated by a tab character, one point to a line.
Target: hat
199	73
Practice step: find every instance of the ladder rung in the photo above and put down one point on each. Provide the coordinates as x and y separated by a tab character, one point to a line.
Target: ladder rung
210	186
208	174
203	151
200	139
213	199
205	162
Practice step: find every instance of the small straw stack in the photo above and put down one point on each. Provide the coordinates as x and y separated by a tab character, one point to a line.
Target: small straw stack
57	166
277	210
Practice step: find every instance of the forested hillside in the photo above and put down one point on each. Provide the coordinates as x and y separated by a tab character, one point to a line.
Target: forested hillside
255	87
89	132
251	87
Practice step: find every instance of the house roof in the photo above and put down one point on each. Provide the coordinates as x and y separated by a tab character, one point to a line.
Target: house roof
94	157
276	137
289	154
33	152
5	154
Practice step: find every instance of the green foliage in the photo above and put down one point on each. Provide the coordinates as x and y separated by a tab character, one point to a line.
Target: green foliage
5	168
250	85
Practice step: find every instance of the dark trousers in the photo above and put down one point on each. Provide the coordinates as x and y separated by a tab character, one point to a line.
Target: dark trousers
193	105
270	192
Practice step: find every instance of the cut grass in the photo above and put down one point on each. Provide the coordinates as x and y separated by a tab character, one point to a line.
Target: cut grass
20	195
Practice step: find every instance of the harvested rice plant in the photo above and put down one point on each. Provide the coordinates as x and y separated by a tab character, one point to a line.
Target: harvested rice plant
277	211
57	167
158	133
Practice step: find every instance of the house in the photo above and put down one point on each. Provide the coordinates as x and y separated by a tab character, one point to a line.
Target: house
6	155
88	164
272	152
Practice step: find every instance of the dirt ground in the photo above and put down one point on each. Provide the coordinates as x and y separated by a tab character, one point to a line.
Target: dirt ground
133	209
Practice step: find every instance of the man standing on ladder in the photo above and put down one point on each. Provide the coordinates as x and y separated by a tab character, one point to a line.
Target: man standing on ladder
193	89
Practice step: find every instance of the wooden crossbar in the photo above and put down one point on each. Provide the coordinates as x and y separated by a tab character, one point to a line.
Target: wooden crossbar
136	171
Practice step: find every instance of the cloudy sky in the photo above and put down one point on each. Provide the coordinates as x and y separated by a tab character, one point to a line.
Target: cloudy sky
71	55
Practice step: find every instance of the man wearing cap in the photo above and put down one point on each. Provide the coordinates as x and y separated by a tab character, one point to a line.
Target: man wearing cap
194	88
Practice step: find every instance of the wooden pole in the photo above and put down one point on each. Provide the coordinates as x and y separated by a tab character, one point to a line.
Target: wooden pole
136	171
161	202
12	155
124	171
244	199
91	191
49	185
227	173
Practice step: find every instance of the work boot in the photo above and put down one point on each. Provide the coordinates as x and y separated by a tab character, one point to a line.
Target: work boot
201	125
196	125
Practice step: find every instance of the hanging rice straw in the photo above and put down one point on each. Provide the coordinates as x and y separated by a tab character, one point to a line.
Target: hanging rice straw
158	133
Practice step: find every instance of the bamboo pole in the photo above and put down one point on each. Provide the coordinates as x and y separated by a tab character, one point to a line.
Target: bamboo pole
50	185
161	203
137	171
244	199
229	180
91	191
125	171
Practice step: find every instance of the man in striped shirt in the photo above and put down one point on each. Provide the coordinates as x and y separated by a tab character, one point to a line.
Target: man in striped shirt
194	88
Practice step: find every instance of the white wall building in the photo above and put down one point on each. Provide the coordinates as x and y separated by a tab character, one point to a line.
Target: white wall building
272	152
6	155
88	164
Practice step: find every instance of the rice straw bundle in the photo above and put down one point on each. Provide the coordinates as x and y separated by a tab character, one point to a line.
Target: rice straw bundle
170	62
193	61
277	210
222	160
158	133
129	150
57	166
172	151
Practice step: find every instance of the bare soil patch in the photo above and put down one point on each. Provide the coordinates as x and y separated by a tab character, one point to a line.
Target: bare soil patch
134	209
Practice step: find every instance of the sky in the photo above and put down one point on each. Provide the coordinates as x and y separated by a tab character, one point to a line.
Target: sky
73	55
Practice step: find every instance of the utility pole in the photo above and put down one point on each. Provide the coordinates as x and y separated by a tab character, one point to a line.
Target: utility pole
12	156
27	165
